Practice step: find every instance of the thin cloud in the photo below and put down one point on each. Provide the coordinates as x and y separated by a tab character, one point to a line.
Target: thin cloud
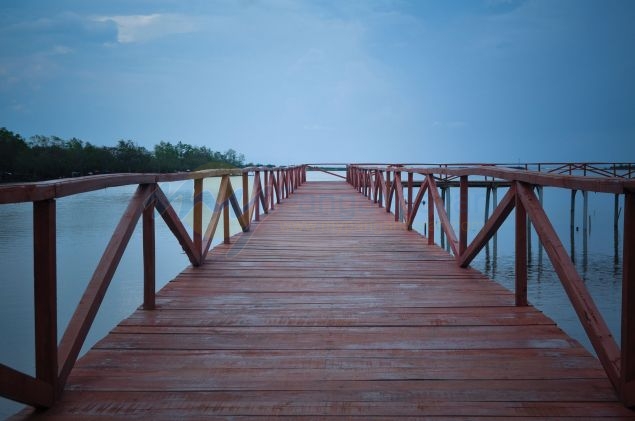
144	28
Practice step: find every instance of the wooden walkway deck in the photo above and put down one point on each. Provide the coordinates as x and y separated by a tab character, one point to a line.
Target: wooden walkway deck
329	308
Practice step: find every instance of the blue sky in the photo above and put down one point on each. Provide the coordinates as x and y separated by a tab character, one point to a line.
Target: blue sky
312	81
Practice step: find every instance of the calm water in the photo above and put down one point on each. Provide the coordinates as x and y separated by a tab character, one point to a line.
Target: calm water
86	222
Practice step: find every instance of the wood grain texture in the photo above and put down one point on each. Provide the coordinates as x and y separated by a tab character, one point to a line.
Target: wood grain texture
329	308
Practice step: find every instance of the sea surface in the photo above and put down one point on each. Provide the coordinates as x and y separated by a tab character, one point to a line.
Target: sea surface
85	223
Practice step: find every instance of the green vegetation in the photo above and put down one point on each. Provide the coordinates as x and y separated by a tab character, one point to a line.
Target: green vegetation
50	157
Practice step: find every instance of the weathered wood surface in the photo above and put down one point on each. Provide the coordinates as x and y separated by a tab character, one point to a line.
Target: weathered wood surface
329	308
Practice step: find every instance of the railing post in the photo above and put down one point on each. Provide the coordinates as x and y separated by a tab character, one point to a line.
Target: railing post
410	181
291	181
256	194
521	253
45	293
266	184
388	190
197	235
245	216
430	214
397	195
226	221
277	187
463	214
271	191
380	190
149	257
627	366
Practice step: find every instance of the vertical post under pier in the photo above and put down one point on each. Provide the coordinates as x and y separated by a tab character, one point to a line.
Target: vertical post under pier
488	192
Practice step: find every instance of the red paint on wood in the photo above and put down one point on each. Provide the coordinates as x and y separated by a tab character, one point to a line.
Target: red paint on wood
627	369
149	258
492	225
520	266
45	292
590	317
463	214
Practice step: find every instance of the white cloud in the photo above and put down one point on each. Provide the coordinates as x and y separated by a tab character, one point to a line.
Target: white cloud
61	50
143	28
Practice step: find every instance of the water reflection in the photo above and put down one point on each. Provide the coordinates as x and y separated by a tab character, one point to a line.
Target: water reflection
594	237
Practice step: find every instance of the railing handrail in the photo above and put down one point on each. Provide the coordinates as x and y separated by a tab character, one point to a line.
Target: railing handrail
53	189
619	362
602	184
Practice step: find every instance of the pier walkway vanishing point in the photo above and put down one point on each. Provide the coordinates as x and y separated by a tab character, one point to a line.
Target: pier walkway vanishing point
328	307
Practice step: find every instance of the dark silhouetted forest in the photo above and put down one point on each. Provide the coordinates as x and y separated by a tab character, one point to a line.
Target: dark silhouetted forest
50	157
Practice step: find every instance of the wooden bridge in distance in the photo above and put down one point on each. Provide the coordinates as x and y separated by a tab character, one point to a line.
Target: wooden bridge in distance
328	307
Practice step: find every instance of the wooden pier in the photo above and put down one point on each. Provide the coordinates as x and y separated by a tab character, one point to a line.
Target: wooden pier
328	307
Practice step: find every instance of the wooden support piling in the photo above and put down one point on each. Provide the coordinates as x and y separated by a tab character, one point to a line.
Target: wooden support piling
572	224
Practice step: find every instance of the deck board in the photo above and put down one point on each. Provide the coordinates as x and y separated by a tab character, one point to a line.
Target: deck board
329	308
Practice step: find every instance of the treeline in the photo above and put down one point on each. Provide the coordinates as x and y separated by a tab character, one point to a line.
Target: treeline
50	157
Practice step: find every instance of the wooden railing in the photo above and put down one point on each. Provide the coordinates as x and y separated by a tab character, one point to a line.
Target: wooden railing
53	361
383	184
